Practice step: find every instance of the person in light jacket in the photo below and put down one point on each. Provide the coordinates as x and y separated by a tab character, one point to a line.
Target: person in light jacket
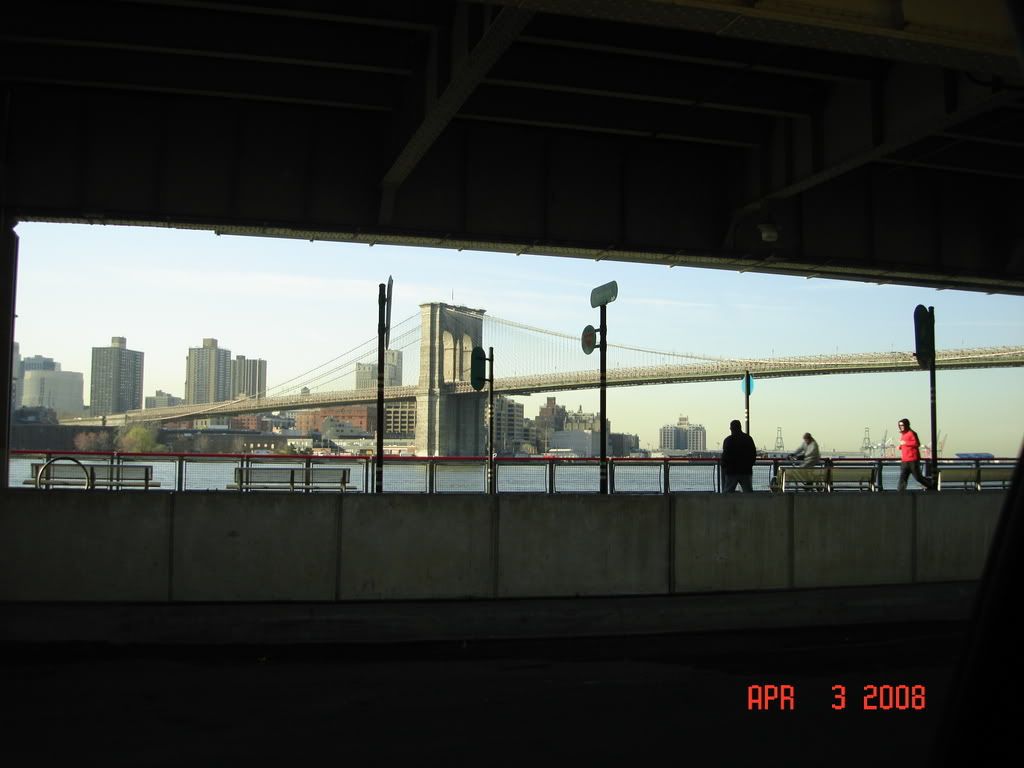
808	453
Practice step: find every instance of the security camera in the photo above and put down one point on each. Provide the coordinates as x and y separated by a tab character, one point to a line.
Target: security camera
769	234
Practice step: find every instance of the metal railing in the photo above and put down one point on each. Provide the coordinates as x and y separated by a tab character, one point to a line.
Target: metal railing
450	474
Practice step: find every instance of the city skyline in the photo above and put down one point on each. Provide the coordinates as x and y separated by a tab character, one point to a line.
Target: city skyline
271	304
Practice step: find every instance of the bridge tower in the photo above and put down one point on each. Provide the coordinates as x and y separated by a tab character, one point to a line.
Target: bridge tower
448	424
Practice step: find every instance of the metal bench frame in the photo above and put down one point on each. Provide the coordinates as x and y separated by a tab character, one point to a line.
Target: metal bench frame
828	478
976	477
302	479
106	475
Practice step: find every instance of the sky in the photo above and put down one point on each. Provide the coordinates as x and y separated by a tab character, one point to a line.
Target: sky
299	304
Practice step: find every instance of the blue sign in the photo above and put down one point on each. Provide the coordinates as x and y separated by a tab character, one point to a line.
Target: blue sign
747	383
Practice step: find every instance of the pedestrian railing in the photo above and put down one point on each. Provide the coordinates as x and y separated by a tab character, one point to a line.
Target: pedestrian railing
470	474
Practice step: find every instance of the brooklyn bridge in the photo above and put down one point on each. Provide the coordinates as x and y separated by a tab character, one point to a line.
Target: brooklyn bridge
436	346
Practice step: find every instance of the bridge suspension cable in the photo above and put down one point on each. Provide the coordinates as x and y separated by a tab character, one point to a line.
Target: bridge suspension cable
405	336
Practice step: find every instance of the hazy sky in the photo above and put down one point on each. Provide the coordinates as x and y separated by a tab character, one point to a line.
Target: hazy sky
299	304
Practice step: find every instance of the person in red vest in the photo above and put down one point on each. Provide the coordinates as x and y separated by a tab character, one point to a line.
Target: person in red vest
910	457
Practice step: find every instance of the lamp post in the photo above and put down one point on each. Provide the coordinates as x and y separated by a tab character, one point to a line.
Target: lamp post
601	297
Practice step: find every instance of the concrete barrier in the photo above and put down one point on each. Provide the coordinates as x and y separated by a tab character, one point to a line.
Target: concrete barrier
570	545
408	547
849	539
953	534
255	546
75	545
190	547
731	541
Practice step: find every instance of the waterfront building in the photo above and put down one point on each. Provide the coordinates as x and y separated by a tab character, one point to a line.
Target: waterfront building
207	373
61	391
621	444
366	373
682	436
361	417
400	419
334	428
667	438
115	383
253	422
584	443
550	419
578	421
509	425
248	377
162	400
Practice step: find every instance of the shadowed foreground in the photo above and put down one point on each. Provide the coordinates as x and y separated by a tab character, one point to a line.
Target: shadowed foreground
592	702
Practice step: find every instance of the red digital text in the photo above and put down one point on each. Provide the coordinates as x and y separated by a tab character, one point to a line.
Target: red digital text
769	696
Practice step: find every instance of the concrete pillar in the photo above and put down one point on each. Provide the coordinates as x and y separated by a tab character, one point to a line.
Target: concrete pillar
8	281
448	424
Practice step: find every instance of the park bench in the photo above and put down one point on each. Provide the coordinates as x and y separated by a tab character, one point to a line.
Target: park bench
976	478
306	479
86	475
827	478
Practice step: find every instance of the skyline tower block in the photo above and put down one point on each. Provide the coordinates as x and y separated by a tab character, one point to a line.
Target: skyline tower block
115	384
207	373
248	377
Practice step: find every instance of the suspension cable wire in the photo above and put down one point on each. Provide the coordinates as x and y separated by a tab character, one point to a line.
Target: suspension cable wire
520	350
284	387
622	347
402	343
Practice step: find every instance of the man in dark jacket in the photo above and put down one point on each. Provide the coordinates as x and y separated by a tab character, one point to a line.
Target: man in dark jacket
738	456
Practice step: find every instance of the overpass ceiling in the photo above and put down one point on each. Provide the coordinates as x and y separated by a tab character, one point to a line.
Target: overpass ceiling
873	140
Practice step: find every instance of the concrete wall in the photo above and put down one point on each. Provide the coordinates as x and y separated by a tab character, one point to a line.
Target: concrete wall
409	547
224	547
732	542
582	545
227	547
68	545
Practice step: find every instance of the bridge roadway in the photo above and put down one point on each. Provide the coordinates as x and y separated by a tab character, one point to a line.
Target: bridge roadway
868	362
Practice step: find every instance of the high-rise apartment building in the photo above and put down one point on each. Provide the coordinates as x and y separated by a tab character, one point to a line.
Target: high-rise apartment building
207	373
248	377
366	373
115	385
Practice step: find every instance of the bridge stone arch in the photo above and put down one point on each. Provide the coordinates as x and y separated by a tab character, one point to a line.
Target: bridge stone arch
448	425
466	356
448	357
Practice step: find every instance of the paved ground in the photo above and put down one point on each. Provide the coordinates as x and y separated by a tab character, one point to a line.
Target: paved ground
678	700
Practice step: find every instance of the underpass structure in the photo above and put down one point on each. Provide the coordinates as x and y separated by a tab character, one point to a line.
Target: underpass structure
870	141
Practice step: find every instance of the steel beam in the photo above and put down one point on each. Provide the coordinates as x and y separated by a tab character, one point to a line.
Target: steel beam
502	31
